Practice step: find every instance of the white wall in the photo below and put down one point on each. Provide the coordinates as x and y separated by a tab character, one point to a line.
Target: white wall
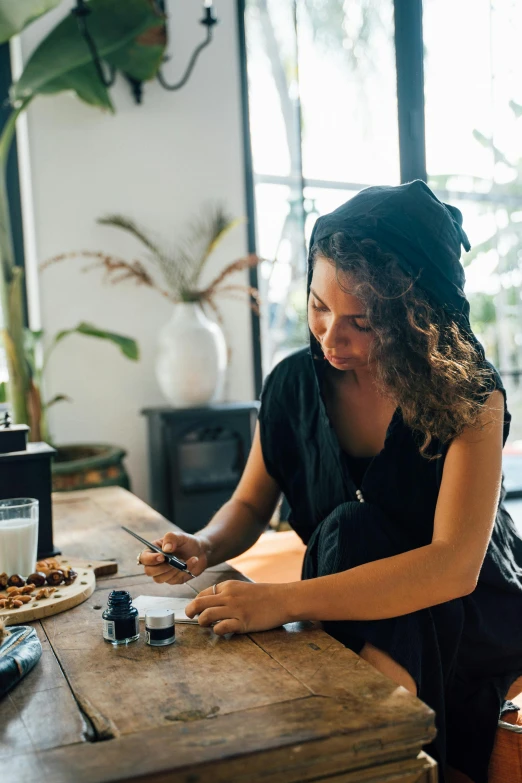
158	163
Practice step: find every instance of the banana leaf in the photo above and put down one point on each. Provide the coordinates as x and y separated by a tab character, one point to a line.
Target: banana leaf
17	14
129	35
127	345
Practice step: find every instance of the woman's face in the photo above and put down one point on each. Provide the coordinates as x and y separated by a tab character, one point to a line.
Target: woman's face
337	319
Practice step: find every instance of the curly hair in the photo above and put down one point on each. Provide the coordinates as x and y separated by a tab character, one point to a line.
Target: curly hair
424	360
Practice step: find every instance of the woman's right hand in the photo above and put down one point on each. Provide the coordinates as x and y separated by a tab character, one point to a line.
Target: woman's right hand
186	547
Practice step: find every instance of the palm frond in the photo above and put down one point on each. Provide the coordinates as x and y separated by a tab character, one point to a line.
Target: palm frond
127	224
176	267
235	266
204	236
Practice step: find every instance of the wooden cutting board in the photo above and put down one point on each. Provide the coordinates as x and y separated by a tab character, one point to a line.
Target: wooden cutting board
66	596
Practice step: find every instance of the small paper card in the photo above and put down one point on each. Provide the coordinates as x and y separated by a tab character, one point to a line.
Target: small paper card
145	602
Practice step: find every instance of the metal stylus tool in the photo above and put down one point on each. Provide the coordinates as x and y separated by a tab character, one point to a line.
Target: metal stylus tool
171	559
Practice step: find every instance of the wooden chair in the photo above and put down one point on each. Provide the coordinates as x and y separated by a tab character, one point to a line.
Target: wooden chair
506	759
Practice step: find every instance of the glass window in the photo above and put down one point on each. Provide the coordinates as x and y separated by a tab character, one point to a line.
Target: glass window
347	86
323	114
323	108
474	158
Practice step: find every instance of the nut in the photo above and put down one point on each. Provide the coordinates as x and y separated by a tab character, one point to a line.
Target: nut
3	580
16	603
45	592
49	564
23	598
28	588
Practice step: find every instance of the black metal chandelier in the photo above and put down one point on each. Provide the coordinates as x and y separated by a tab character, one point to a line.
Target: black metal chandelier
82	11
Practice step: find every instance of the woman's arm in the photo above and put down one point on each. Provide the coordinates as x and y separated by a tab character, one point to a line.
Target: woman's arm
239	522
445	569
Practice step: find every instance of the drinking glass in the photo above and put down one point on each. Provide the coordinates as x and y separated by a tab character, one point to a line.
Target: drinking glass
18	536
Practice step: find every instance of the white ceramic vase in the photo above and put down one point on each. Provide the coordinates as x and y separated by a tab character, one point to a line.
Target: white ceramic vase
192	358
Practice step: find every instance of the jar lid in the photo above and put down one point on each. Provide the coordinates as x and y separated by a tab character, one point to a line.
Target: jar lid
159	618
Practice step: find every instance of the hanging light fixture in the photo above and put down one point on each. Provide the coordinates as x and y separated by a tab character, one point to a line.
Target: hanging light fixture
108	76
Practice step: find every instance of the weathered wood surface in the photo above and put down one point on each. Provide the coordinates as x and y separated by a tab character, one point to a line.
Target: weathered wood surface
40	712
284	706
304	740
87	524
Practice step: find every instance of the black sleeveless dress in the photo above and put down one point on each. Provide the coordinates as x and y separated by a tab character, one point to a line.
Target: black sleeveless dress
463	654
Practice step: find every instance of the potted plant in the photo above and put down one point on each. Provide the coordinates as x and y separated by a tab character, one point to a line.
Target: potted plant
193	356
130	37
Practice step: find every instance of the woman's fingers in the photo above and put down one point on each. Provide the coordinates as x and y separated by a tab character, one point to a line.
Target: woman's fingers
170	542
150	558
158	570
227	626
213	614
219	618
179	578
156	566
170	575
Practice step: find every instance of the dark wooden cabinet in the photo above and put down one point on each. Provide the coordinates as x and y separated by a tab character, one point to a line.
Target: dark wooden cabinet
196	458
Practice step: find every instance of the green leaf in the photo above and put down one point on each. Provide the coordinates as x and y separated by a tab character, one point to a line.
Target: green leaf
127	345
17	14
3	391
130	35
57	398
516	108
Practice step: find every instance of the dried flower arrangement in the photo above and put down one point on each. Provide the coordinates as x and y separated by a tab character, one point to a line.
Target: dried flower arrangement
180	269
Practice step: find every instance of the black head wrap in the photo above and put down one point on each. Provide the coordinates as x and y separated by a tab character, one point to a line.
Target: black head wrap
424	234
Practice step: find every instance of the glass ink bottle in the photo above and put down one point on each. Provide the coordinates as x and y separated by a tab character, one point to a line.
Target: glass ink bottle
159	627
120	619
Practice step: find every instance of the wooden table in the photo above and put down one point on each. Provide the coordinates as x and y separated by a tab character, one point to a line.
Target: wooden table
282	706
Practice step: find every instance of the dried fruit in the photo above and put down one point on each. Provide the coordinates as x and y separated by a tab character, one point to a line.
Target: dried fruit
55	577
37	579
70	576
16	580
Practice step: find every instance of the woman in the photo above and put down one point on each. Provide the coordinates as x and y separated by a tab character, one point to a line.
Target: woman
386	438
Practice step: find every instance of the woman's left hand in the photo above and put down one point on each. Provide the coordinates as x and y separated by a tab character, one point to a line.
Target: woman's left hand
241	607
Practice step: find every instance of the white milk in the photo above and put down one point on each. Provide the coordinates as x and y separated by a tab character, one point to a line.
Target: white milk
18	545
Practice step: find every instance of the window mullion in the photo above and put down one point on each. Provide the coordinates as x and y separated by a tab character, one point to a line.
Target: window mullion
410	89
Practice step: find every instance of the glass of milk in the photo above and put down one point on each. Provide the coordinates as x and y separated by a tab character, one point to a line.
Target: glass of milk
18	536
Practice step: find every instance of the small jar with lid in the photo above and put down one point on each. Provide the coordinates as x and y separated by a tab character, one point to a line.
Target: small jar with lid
120	619
159	627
